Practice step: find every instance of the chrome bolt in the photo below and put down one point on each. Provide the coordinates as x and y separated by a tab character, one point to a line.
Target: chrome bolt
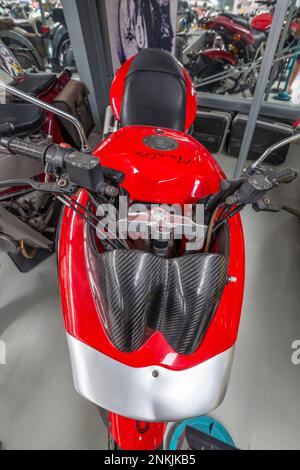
62	183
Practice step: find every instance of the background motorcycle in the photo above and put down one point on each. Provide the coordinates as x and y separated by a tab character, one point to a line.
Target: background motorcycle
62	52
53	31
26	213
38	39
239	54
151	328
27	47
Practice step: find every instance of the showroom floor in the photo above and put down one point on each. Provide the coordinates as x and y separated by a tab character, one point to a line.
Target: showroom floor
39	408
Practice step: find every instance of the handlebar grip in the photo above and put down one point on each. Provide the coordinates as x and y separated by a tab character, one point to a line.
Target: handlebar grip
284	175
27	149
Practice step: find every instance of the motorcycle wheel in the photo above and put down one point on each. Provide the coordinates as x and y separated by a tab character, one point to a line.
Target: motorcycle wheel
65	55
202	70
25	59
249	90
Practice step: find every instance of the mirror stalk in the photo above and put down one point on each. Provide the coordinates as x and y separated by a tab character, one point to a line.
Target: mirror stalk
278	145
52	109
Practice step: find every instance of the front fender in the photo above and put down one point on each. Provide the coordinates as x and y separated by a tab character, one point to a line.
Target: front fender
60	32
15	37
218	54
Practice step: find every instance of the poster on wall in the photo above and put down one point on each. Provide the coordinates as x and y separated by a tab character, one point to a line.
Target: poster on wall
138	24
245	6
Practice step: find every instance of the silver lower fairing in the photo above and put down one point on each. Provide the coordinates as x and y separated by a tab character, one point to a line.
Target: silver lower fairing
137	393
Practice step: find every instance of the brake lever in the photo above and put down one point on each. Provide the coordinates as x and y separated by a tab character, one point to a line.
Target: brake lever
62	186
265	205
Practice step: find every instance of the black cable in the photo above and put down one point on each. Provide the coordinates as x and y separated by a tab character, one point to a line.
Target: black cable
67	200
229	216
95	218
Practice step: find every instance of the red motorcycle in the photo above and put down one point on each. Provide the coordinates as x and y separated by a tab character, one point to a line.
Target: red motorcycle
151	322
233	67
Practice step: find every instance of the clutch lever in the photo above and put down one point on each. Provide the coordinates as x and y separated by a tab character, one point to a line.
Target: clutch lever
62	186
265	205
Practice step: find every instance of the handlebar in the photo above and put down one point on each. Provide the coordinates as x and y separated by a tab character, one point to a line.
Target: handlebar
82	169
255	186
283	175
27	149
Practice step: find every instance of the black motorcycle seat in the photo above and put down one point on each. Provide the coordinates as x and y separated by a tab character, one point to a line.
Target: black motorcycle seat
25	118
259	36
155	91
237	19
35	83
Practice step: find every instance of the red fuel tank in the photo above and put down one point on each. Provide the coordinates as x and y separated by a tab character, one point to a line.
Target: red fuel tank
161	165
262	22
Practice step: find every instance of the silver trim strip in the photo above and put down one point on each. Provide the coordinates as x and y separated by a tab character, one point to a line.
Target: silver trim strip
136	393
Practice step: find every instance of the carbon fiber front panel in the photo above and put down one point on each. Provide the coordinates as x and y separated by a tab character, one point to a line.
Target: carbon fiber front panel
138	293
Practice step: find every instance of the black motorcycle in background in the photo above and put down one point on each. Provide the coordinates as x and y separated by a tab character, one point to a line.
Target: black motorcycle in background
62	52
37	41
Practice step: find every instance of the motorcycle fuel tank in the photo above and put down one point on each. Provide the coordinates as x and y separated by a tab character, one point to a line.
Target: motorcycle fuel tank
161	166
262	22
224	24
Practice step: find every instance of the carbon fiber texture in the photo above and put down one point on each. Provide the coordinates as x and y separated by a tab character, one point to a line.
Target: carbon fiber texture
138	293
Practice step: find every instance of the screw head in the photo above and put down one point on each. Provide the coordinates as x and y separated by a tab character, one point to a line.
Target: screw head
155	373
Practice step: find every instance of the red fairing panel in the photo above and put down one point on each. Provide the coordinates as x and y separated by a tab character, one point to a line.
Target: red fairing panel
191	101
221	23
117	92
215	54
144	174
296	123
83	321
130	434
117	88
294	26
262	22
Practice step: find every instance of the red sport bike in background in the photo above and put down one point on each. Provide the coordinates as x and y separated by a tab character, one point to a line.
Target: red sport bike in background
151	324
233	66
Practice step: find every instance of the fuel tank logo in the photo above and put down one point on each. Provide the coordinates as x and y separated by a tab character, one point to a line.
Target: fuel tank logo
162	155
